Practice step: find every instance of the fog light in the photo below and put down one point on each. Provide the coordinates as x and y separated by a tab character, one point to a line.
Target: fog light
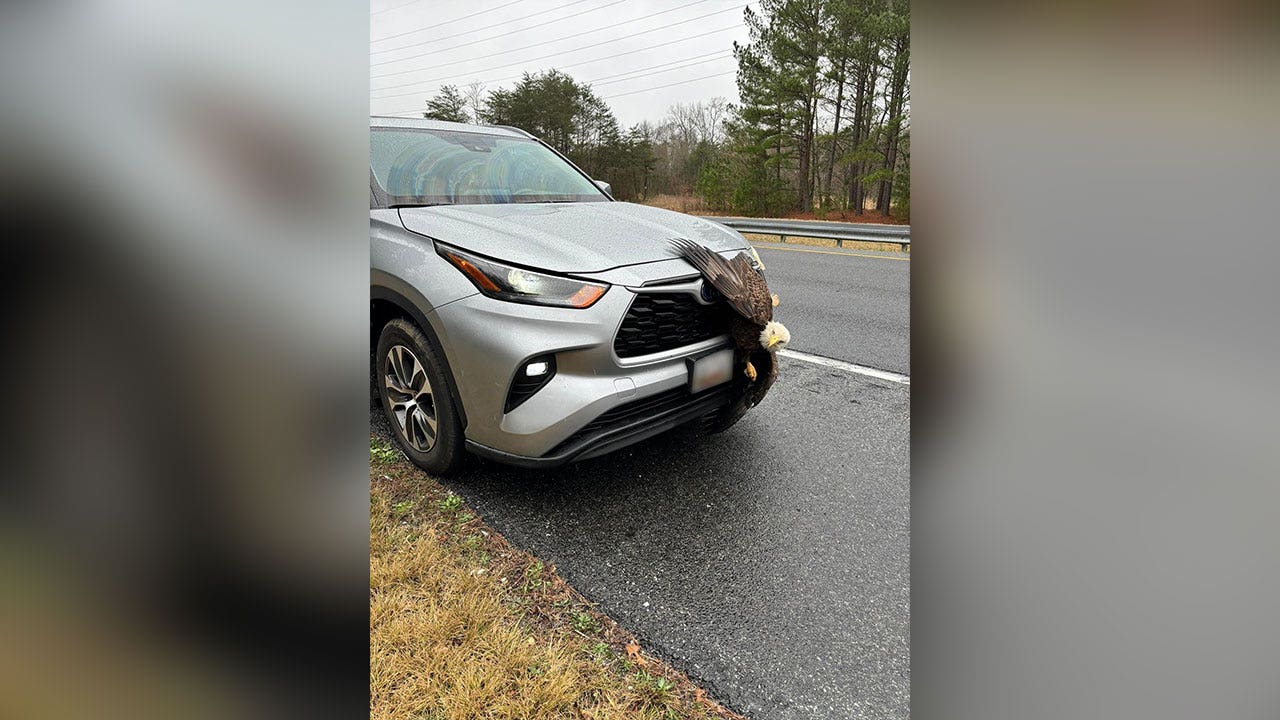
529	379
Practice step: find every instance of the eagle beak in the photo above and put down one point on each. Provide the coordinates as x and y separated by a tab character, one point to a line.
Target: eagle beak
774	341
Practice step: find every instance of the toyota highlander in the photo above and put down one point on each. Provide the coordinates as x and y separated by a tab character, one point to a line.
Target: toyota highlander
522	314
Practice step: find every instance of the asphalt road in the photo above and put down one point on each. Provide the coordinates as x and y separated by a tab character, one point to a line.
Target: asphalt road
851	305
770	563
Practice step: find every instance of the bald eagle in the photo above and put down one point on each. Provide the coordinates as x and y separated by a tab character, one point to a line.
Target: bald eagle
755	332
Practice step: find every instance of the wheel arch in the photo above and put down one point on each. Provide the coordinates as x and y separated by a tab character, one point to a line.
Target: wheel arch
386	305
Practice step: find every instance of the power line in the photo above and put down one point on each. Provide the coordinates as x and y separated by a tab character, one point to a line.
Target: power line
721	55
446	22
552	55
566	37
610	97
659	87
508	23
495	37
397	7
545	42
606	77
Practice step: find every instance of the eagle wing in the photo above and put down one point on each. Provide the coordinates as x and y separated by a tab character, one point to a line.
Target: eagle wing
735	279
757	291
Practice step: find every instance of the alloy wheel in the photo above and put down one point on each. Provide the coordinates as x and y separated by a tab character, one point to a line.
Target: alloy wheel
409	395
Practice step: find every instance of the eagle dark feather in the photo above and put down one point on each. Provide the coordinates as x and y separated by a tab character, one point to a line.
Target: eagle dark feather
767	371
742	287
745	291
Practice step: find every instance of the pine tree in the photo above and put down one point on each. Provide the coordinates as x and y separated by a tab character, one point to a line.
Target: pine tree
898	35
449	105
570	117
778	80
546	104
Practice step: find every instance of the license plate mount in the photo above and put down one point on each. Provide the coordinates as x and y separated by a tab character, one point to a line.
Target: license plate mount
710	369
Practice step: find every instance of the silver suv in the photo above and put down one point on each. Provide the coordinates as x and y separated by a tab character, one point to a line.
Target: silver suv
521	313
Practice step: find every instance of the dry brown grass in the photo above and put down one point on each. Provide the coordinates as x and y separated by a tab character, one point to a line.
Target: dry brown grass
681	203
463	625
827	242
695	205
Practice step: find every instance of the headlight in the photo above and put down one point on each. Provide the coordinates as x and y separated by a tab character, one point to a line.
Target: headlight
756	262
506	282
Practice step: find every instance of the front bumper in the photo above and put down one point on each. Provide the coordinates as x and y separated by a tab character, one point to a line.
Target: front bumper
625	425
487	341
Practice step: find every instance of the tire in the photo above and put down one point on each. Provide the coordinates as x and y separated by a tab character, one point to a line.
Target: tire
415	392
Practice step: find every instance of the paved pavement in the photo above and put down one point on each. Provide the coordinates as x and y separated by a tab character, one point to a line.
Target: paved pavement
770	562
851	305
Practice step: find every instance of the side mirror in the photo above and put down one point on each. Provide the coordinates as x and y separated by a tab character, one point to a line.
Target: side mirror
606	187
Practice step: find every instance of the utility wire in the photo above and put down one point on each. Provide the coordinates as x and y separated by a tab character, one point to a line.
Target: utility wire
566	37
397	7
529	27
446	22
606	77
507	23
552	55
561	67
595	83
495	37
659	87
609	97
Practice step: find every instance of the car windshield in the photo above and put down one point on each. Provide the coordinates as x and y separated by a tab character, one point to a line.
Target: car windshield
446	167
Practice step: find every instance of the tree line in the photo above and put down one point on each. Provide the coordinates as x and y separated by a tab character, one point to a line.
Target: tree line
823	122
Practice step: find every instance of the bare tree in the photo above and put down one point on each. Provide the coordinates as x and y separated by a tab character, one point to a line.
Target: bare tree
474	95
714	113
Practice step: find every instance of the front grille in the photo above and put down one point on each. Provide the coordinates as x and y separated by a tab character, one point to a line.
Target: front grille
652	407
626	412
664	321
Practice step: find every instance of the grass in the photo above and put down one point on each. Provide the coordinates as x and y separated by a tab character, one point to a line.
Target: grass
695	205
464	625
828	242
681	203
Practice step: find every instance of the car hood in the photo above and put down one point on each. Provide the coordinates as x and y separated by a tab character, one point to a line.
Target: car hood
567	237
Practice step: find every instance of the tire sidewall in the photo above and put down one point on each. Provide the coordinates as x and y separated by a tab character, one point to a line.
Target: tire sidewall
447	454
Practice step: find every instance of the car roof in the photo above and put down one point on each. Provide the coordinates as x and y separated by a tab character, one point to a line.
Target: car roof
424	124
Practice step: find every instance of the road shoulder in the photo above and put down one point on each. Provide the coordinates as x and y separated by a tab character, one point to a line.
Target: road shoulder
462	622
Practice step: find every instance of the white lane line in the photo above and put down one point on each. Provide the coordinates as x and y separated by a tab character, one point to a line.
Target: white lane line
847	367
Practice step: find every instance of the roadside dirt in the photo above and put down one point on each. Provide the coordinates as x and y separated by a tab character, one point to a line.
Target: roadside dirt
463	624
695	206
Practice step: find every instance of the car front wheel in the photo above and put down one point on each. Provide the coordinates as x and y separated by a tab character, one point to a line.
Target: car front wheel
417	399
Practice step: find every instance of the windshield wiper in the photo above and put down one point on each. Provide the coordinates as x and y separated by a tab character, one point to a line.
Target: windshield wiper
417	205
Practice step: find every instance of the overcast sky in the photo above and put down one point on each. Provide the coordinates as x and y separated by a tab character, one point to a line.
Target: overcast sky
626	49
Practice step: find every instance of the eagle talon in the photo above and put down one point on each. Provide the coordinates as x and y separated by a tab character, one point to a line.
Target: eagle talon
750	371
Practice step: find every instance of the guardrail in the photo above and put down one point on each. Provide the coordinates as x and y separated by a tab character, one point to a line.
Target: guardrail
839	231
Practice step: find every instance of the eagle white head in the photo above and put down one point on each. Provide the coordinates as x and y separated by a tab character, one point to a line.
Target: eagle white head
775	336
